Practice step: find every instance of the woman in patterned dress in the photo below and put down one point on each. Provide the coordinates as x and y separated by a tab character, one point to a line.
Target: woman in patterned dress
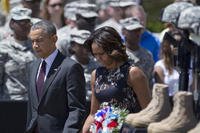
115	81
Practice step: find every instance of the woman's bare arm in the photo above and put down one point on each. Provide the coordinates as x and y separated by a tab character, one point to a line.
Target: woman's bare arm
138	81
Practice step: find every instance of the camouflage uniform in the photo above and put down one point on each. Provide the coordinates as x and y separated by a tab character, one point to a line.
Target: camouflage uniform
84	9
79	36
171	12
92	65
190	19
112	22
64	39
5	30
143	59
64	33
14	57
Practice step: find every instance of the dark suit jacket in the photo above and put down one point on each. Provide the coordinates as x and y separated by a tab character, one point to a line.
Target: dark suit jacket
61	108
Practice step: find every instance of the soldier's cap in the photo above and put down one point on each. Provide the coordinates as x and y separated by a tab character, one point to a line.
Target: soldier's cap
20	13
79	36
103	4
87	10
190	19
70	10
122	3
171	13
131	23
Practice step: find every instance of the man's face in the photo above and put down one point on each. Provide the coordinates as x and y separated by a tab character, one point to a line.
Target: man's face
81	53
132	36
43	44
20	27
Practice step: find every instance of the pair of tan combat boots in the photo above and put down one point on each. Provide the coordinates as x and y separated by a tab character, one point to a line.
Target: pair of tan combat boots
158	116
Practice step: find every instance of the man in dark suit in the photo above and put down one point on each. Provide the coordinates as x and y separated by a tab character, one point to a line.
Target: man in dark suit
57	86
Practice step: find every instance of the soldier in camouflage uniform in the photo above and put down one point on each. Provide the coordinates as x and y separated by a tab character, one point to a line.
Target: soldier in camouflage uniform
116	10
132	30
81	55
64	33
15	54
79	15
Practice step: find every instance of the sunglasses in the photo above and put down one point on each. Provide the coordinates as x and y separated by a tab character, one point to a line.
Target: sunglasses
56	4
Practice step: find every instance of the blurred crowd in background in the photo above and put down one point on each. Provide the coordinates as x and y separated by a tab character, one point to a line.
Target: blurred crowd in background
74	21
159	55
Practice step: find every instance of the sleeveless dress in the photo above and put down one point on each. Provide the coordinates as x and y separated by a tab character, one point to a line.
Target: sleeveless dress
111	86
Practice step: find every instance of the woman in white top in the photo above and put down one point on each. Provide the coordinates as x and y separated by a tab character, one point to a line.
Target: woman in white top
164	69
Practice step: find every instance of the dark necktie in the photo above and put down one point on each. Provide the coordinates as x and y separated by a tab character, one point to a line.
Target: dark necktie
40	80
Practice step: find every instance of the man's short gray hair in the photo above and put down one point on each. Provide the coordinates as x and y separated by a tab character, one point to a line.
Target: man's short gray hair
47	26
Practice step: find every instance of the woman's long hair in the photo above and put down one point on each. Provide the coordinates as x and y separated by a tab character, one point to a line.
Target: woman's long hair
44	11
111	42
167	55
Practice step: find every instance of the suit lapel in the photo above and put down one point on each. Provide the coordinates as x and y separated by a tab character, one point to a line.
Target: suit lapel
54	69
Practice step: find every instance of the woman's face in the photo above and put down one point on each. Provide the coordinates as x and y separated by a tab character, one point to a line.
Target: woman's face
101	56
55	7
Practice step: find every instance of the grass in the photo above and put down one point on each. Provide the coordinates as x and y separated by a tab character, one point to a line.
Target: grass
153	10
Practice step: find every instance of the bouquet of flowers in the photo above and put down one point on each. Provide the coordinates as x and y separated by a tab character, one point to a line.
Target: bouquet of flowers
108	119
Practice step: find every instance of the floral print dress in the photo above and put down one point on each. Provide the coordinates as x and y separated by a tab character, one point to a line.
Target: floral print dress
111	86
